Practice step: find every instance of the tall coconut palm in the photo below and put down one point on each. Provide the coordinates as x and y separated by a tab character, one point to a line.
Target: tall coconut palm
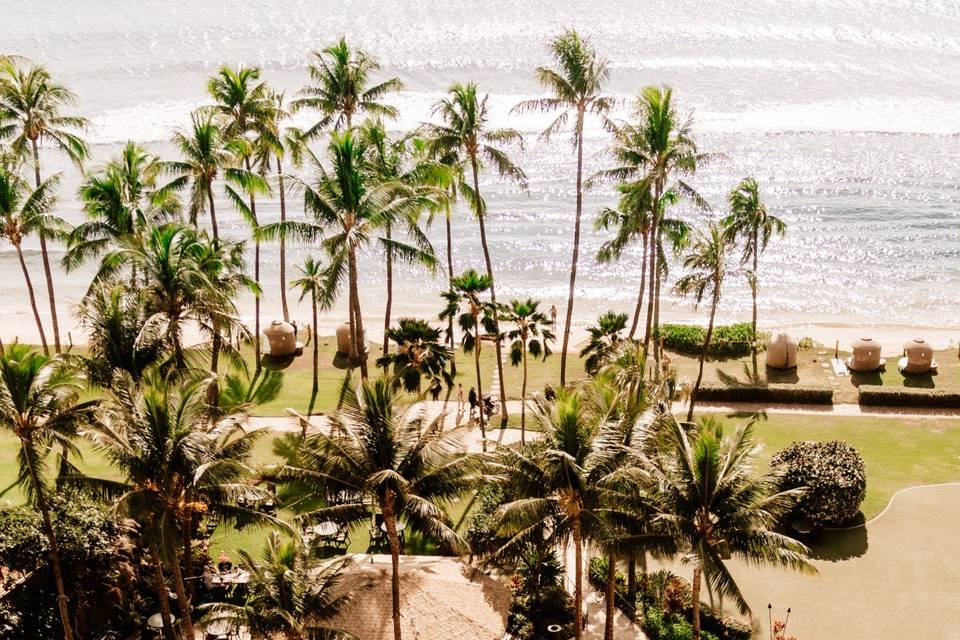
311	283
25	212
531	335
121	202
207	153
463	137
656	153
605	337
396	460
291	594
31	113
705	492
575	86
341	87
244	106
750	222
706	263
351	206
40	407
465	301
420	355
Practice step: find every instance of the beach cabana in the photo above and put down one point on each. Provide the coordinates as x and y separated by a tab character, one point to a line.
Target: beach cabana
866	355
282	338
782	352
343	339
917	357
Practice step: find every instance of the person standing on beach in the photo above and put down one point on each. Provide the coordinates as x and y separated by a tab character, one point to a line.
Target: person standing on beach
459	398
472	398
553	316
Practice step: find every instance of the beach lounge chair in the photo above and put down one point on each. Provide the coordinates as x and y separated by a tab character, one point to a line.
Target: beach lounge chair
781	352
917	358
866	356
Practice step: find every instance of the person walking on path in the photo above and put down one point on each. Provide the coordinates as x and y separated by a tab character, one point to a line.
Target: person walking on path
459	398
472	398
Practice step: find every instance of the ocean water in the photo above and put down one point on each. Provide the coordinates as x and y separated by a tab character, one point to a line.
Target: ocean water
846	112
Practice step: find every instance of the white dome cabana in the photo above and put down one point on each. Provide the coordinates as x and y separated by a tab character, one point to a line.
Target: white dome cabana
781	351
866	355
917	357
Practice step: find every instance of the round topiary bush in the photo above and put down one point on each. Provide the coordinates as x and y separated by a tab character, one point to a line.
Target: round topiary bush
832	472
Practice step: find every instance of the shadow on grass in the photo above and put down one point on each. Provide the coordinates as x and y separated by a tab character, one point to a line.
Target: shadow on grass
838	545
858	378
919	381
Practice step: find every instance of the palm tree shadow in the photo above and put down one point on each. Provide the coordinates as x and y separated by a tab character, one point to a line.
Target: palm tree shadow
344	388
838	545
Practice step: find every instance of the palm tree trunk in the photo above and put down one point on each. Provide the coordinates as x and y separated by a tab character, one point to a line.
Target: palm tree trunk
214	366
697	573
476	365
386	313
656	300
632	581
177	344
576	251
578	580
45	255
390	522
316	356
610	596
183	602
643	284
523	397
756	251
493	294
357	343
213	211
257	347
33	300
653	270
166	616
186	530
453	342
283	243
41	499
703	356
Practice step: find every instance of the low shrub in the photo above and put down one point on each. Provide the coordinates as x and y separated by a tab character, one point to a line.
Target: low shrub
481	535
834	477
728	341
877	396
539	599
777	393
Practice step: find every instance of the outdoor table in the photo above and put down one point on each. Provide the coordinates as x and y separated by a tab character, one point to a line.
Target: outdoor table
326	529
232	578
400	526
155	622
219	629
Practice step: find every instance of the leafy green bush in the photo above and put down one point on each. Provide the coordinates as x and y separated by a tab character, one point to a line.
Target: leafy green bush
780	393
539	598
480	535
877	396
834	477
728	341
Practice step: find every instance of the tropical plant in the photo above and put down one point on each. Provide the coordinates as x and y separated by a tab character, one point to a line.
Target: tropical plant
31	113
833	478
575	87
25	212
395	459
706	264
122	202
340	88
531	335
465	301
750	222
704	492
311	283
420	355
40	407
244	106
605	337
463	140
351	205
291	595
654	154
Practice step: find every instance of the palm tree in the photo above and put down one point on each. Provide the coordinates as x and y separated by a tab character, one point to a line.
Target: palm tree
558	486
706	265
474	314
605	337
354	205
463	138
419	355
575	87
31	113
531	335
402	463
704	493
122	202
750	221
244	106
207	152
654	154
291	594
25	212
311	283
340	88
39	405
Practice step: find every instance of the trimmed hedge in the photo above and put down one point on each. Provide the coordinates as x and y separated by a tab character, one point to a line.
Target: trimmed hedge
780	393
876	396
833	476
729	340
